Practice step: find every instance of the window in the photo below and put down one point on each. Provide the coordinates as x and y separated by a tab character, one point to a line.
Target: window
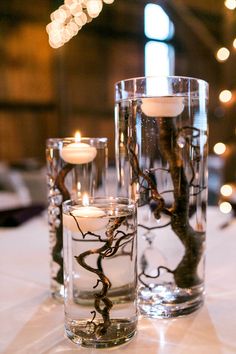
159	54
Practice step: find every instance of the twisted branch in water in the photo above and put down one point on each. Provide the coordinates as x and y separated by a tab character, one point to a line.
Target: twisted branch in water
57	249
102	303
185	274
156	196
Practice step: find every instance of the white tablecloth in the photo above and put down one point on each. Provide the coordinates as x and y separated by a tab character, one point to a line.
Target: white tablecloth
32	323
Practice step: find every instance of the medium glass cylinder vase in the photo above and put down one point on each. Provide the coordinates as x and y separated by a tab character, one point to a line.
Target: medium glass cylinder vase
74	168
100	271
161	149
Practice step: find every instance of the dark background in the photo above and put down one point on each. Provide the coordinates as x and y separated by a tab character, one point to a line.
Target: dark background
47	92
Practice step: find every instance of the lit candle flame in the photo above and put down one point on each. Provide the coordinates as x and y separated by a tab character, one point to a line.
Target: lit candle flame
77	136
85	199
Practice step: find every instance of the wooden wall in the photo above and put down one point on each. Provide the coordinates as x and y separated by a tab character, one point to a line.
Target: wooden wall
47	92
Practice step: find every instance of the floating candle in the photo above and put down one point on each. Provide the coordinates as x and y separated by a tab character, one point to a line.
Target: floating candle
170	106
77	152
88	218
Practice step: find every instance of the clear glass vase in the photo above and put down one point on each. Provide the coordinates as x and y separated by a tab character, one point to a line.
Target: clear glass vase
100	271
161	149
74	168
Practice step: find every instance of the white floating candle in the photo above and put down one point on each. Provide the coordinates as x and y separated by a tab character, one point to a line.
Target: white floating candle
170	106
89	218
78	153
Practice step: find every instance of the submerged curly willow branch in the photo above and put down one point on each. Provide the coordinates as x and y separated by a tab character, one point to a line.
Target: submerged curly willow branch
57	249
185	274
102	303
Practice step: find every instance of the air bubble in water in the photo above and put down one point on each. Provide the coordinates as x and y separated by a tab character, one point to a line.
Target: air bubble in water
181	141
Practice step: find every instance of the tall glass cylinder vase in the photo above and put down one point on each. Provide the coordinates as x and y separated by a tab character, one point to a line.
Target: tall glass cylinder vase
74	168
161	149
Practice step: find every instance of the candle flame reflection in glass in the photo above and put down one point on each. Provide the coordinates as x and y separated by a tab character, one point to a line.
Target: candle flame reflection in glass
78	189
85	199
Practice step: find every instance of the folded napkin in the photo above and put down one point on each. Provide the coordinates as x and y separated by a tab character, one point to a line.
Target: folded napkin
17	216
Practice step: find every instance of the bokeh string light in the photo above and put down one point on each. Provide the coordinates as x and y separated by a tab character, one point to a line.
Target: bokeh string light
226	190
225	96
225	207
234	43
70	17
230	4
219	148
227	198
227	202
222	54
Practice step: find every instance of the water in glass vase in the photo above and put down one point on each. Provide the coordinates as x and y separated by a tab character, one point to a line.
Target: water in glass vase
100	272
161	158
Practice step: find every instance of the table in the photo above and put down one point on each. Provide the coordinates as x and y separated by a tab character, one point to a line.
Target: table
32	322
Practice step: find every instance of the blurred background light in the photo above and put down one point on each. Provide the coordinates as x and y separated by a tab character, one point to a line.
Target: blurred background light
222	54
226	190
230	4
219	148
225	96
225	207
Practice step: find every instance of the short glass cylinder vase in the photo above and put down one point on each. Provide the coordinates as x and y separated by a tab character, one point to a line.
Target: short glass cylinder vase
161	149
74	168
100	271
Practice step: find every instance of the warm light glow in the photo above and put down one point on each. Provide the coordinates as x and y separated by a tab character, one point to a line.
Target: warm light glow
94	7
122	140
230	4
81	20
225	207
85	200
222	54
78	189
226	190
51	153
225	96
70	17
234	43
219	148
77	136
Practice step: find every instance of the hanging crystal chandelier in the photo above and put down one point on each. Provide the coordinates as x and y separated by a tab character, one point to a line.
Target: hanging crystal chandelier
70	17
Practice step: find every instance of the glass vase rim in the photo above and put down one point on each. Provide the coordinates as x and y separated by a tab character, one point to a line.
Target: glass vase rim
79	201
73	139
174	77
